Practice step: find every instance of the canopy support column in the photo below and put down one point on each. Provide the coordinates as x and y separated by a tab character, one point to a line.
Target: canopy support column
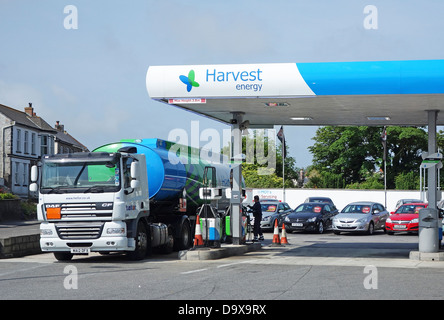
236	192
428	234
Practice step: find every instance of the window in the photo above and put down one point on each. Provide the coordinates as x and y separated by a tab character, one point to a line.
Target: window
19	141
16	174
33	143
44	145
25	174
127	172
26	142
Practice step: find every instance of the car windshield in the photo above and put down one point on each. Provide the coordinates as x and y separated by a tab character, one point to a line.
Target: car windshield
269	207
357	208
322	200
309	207
414	209
68	177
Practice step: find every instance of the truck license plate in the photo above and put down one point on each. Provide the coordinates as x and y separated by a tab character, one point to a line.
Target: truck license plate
80	250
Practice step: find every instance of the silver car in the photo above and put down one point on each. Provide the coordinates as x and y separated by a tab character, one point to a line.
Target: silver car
361	216
272	210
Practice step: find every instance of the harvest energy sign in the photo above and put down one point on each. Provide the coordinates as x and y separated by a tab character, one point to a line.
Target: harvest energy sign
229	80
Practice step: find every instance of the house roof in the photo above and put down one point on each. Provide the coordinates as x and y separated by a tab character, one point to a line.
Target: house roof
65	137
38	123
24	119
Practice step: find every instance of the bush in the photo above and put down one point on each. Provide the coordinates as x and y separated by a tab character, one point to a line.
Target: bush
29	208
7	196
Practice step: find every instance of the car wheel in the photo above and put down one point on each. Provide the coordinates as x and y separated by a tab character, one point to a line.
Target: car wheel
320	227
371	228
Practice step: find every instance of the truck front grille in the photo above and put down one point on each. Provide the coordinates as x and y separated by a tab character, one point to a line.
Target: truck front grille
85	210
79	231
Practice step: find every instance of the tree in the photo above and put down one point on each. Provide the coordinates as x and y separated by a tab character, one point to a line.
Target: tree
265	171
356	155
346	152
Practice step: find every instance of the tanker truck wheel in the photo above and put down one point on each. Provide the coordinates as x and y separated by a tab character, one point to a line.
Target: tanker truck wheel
63	256
169	245
183	242
142	243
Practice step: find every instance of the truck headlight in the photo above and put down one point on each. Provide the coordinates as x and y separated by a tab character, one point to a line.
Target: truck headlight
45	232
115	231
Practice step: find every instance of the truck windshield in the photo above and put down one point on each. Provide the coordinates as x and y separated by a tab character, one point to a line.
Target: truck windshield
75	177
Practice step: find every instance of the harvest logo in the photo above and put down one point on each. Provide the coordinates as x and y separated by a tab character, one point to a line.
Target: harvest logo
189	81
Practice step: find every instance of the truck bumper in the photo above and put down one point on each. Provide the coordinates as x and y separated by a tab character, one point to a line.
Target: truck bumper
50	240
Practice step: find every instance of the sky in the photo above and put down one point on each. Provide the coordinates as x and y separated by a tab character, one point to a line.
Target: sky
91	78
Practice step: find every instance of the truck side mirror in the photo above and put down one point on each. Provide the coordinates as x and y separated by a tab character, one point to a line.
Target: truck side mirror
34	174
33	187
134	184
135	169
34	177
135	174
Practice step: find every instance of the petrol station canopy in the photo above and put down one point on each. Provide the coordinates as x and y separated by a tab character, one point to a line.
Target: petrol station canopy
372	93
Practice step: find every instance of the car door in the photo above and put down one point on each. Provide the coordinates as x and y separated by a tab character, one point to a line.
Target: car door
327	216
383	215
287	209
376	216
281	213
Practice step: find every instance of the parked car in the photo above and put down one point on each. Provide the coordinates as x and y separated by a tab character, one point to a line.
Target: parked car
405	218
320	199
440	207
405	201
272	210
310	216
364	216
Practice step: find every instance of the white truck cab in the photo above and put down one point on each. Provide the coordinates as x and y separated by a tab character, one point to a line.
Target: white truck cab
93	202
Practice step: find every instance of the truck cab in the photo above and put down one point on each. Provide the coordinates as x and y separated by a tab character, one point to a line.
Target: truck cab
91	202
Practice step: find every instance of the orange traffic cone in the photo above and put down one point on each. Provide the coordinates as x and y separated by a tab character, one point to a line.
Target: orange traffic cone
284	235
198	239
276	240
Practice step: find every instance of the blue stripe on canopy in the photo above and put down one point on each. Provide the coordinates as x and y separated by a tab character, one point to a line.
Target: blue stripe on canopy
374	77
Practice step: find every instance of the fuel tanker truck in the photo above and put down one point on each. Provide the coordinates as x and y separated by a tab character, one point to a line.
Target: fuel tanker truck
129	196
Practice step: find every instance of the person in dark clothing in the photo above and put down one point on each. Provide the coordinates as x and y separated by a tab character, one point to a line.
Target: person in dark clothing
257	214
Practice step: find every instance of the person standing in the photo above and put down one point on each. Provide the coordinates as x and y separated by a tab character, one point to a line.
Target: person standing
257	214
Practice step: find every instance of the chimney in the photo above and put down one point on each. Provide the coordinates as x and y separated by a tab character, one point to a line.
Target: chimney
59	127
30	110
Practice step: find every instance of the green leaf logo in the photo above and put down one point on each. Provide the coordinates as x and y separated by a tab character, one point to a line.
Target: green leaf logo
189	81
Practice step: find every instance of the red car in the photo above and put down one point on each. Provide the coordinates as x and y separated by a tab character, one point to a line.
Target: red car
405	218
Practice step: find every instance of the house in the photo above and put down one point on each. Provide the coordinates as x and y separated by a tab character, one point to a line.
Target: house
24	138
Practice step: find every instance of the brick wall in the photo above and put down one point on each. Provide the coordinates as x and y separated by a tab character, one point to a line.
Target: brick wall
10	210
19	246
